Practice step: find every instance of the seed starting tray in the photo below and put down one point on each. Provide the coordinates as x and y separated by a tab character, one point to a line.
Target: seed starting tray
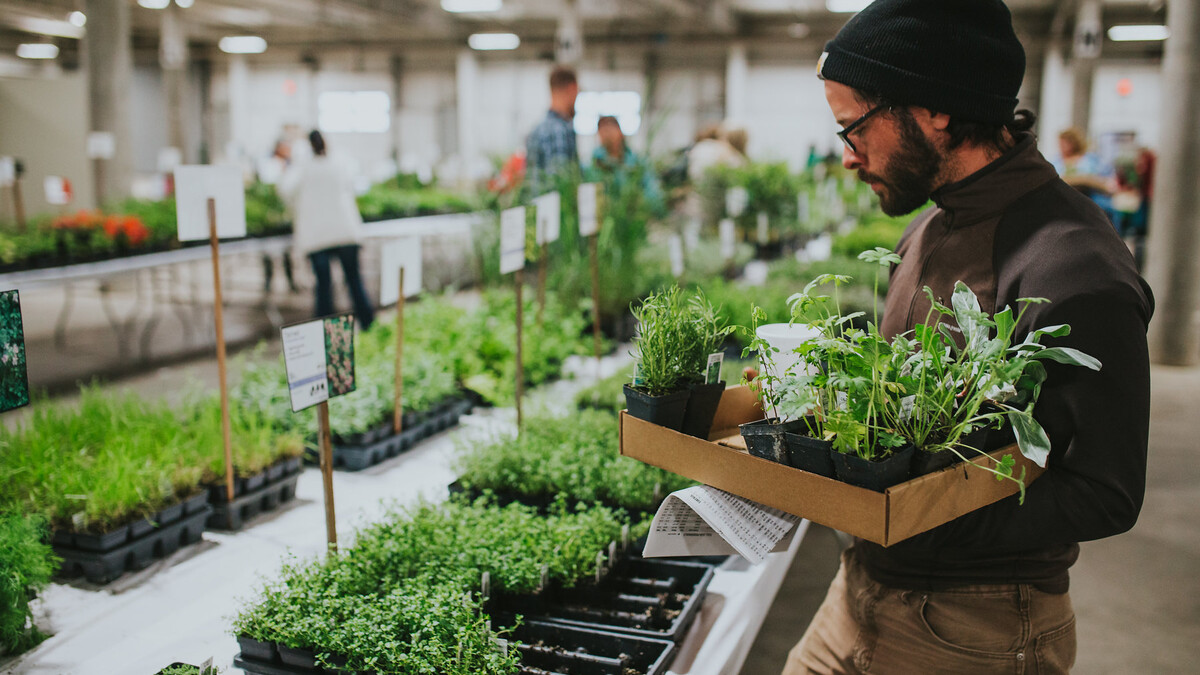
101	567
356	457
233	515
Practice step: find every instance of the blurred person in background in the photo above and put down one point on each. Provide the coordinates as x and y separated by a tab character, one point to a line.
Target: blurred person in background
327	226
550	148
714	147
617	165
1084	170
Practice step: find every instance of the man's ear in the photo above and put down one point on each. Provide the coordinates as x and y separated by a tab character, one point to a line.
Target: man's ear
930	120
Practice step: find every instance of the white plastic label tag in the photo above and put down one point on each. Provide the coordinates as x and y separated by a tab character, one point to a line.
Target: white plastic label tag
549	217
194	186
512	239
589	222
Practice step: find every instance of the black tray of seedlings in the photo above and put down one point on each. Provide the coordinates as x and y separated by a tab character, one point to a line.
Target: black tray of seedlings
545	648
102	558
649	598
366	449
255	494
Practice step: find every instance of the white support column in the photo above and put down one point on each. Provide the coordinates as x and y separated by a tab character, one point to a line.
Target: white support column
1054	114
466	78
736	73
568	39
1173	258
173	59
110	78
1089	34
239	109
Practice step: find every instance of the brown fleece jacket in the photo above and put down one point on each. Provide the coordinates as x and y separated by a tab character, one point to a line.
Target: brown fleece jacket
1009	231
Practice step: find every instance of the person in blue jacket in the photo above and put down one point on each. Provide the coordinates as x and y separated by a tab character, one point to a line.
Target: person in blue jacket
618	166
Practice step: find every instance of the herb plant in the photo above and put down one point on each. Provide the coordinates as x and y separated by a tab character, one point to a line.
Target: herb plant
26	564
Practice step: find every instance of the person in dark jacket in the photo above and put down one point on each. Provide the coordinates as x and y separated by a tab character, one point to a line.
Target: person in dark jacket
926	93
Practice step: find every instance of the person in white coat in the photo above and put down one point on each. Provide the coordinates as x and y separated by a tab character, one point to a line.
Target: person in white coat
326	225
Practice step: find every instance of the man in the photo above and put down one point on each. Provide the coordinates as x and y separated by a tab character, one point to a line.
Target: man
925	91
550	147
618	166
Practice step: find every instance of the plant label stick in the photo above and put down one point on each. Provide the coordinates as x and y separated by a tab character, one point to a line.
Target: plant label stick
512	259
398	408
728	238
675	246
520	393
764	228
589	226
206	666
548	227
326	449
400	277
589	221
219	320
712	373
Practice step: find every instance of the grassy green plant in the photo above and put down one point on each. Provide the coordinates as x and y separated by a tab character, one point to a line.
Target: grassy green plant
26	564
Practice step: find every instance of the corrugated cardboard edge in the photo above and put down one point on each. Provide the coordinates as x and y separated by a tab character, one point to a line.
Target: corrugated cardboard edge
884	518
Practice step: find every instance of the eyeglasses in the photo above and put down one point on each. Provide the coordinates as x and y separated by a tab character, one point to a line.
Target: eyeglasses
844	134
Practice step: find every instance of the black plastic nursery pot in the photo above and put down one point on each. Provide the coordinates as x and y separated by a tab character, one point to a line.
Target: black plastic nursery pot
969	446
873	475
257	649
666	411
807	453
701	408
766	438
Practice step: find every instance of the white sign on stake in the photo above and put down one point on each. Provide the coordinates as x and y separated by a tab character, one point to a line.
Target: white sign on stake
304	359
549	217
101	145
169	158
728	239
397	254
58	190
8	171
675	245
512	239
802	207
589	223
764	228
736	200
194	186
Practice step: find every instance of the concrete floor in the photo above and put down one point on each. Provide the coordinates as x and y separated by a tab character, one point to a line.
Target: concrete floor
1136	596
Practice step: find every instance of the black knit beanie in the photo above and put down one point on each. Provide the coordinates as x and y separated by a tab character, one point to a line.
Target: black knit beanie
959	57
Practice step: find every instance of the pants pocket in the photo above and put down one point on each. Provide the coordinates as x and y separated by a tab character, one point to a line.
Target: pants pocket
987	624
1054	651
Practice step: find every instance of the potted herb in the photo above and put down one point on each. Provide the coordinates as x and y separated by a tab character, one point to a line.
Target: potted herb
707	335
765	438
659	393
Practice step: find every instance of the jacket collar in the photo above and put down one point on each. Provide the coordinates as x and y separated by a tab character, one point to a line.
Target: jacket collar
996	186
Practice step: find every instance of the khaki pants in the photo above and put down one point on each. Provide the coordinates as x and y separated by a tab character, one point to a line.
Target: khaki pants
864	627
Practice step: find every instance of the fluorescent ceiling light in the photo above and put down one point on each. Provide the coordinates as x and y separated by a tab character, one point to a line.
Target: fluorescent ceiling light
1137	33
37	50
846	6
185	3
154	4
77	19
494	41
242	44
471	6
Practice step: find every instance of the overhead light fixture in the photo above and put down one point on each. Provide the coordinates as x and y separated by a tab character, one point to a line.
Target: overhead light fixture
472	6
494	41
154	4
37	50
185	3
1136	33
242	44
846	6
799	30
77	19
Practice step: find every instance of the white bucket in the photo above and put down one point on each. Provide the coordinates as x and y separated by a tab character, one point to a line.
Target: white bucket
786	338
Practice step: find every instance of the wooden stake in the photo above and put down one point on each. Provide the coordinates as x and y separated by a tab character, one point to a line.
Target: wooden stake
541	290
594	246
219	319
326	450
397	418
520	331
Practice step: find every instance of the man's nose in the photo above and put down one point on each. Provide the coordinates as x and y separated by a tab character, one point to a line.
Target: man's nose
851	159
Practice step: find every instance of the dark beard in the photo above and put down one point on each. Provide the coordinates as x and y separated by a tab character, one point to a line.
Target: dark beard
909	178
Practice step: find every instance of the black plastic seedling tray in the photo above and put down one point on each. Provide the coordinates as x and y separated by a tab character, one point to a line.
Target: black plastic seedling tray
370	448
547	648
649	598
101	567
233	515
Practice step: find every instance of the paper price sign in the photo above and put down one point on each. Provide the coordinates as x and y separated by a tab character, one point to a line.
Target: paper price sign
58	190
588	196
319	358
736	201
512	239
549	217
675	245
396	255
194	186
101	145
728	238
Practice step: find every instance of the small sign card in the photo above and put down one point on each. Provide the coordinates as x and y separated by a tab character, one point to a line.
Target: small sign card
58	190
396	255
194	186
712	373
101	145
736	201
14	378
728	238
512	239
169	159
589	222
803	207
675	246
8	171
319	358
764	228
549	217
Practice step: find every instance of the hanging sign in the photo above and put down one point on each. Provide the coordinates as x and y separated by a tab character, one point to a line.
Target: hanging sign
396	255
194	186
549	217
101	145
736	200
14	378
728	238
589	222
512	239
58	190
319	358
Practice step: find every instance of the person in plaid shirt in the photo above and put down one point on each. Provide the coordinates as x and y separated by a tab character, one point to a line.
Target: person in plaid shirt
550	147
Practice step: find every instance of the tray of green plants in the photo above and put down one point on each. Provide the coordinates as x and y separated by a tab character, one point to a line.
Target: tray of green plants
181	668
26	565
408	595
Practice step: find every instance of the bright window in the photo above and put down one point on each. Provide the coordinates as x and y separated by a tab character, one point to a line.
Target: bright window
368	112
626	106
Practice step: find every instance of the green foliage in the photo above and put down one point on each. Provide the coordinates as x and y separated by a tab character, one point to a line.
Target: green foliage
402	197
26	564
880	232
663	334
578	460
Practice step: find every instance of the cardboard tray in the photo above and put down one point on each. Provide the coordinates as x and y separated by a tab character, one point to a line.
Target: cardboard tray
885	518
